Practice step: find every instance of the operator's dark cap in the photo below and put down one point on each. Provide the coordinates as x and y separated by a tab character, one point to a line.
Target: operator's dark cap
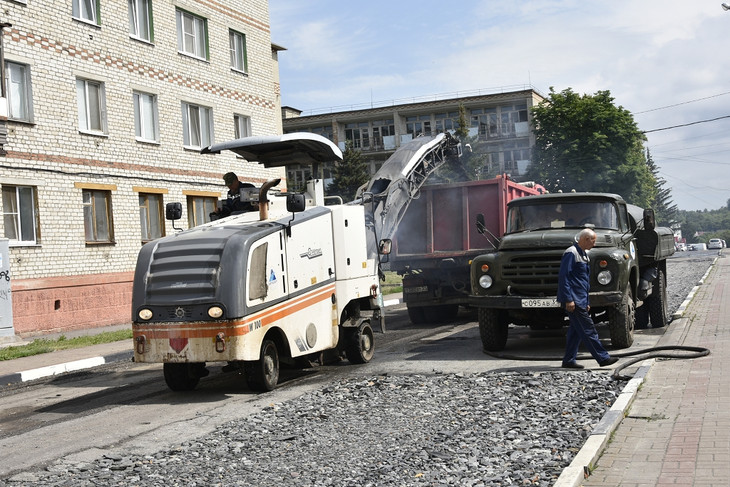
229	177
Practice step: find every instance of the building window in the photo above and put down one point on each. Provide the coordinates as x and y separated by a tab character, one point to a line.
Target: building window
192	34
239	58
86	10
197	126
146	126
358	134
140	19
420	125
98	225
447	122
383	134
199	209
19	93
241	126
151	218
20	218
91	102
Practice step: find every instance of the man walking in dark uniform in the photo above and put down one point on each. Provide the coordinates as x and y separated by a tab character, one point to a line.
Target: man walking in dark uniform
573	287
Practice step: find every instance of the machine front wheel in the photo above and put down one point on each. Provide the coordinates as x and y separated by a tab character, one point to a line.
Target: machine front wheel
360	346
183	377
263	374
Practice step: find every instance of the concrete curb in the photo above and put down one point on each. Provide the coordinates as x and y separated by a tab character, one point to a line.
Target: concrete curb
582	465
74	366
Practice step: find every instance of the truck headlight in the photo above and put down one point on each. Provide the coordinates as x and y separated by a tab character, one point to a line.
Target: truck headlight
485	281
604	277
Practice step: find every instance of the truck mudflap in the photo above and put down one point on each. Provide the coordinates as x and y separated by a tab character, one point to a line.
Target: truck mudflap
597	299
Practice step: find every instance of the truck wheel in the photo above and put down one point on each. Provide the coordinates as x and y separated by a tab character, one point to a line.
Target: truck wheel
360	344
417	315
642	317
621	321
493	329
263	374
183	377
658	312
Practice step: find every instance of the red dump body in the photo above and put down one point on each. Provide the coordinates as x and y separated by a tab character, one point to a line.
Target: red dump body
438	236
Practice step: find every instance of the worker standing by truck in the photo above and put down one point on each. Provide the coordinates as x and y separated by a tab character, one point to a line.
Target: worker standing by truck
573	287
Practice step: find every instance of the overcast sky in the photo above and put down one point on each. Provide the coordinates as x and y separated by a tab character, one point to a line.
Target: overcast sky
668	62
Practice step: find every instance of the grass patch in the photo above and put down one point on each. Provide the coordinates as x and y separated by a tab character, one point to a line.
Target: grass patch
43	345
393	283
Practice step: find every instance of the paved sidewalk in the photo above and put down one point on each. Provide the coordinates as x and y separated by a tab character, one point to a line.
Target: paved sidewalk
677	430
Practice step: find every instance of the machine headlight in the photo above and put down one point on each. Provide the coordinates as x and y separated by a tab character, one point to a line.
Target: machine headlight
604	277
485	281
215	312
145	314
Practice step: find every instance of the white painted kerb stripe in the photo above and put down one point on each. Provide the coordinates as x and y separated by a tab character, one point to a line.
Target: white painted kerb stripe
60	369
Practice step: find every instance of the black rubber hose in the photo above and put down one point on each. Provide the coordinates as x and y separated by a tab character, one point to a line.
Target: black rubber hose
646	353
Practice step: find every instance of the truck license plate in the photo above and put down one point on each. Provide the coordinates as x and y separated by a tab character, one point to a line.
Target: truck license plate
416	289
540	303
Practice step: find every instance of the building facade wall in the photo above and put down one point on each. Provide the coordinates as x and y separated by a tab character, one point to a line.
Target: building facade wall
500	144
52	155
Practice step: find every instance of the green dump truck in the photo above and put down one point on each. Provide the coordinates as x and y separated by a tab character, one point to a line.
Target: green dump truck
517	283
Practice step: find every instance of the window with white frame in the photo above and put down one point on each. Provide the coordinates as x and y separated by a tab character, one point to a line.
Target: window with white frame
18	91
92	105
239	57
140	19
146	124
20	217
197	126
199	209
86	10
241	126
192	34
98	225
151	218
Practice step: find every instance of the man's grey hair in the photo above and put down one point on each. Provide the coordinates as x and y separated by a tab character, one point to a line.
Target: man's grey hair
585	233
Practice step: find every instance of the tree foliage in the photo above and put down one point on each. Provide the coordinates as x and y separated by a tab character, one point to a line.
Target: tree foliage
472	164
349	174
701	226
586	143
664	208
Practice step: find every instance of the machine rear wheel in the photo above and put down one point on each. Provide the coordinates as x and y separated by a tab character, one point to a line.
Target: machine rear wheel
263	374
183	377
493	329
360	344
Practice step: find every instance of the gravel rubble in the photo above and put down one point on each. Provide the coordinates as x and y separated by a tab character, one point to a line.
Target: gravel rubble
484	429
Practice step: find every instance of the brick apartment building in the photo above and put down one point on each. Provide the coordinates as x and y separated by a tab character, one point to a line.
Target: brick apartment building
499	122
106	105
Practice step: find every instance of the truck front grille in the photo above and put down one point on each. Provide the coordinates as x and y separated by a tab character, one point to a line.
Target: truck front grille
533	274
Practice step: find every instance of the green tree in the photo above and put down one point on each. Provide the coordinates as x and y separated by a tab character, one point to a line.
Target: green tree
472	163
349	174
664	208
586	143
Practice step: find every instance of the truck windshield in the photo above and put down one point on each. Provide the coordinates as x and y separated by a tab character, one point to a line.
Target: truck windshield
594	214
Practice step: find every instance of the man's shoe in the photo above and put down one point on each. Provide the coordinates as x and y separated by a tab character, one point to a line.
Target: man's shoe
572	365
608	361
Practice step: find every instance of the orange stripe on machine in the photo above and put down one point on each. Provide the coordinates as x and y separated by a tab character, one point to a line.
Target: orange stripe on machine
209	329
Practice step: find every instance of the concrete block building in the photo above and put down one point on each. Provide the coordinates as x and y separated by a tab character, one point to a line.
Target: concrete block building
105	107
499	127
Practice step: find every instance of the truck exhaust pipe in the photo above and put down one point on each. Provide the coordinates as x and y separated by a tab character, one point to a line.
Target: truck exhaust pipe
264	199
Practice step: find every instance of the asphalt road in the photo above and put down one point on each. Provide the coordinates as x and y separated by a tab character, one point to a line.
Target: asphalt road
127	406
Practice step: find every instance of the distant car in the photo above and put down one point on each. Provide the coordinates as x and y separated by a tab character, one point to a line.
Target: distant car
724	244
714	243
699	246
681	247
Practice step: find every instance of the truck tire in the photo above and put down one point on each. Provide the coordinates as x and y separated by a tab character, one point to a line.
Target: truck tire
360	346
417	315
493	329
263	374
621	319
183	377
658	308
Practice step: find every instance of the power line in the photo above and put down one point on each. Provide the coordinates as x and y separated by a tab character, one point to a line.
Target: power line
682	103
686	124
